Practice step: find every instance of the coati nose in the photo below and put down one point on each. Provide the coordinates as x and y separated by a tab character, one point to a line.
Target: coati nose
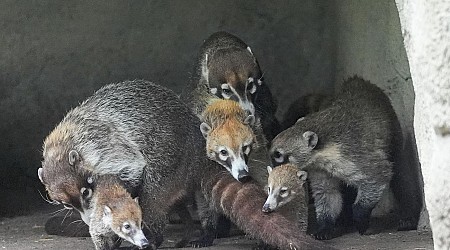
243	176
266	208
144	243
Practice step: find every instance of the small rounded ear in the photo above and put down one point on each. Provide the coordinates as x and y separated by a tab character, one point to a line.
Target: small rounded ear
136	200
269	169
107	211
311	138
40	175
250	120
74	157
300	119
205	128
302	175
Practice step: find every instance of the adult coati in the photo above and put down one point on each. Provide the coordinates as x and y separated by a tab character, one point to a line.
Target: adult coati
226	68
235	140
144	134
115	214
287	194
353	140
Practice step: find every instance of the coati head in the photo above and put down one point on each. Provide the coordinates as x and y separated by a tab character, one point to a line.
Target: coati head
229	136
285	182
233	73
294	145
121	213
63	172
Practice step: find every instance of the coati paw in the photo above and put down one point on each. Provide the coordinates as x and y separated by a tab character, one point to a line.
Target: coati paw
263	246
361	217
204	241
326	234
407	224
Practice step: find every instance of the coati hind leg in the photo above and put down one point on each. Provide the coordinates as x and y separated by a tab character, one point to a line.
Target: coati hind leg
209	219
369	194
327	201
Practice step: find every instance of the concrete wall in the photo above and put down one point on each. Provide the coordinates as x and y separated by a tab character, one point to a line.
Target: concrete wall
55	53
370	44
426	28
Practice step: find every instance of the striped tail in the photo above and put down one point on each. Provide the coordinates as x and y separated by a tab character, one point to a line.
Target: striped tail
242	203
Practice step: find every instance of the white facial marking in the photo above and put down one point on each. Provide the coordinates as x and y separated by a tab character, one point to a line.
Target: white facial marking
283	192
86	216
247	149
238	165
227	94
247	106
40	174
213	91
251	81
139	238
205	70
260	82
222	155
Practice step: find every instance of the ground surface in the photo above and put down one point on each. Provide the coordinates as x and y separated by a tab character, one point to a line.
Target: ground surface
27	232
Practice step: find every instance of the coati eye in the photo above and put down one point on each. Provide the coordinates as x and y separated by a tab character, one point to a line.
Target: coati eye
283	192
226	91
86	193
278	156
224	152
126	226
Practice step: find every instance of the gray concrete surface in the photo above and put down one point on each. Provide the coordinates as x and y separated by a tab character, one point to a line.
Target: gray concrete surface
426	29
27	232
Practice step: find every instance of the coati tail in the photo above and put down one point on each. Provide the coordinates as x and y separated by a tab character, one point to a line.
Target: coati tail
242	203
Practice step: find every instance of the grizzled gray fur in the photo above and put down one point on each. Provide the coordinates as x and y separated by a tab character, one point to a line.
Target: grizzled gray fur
353	141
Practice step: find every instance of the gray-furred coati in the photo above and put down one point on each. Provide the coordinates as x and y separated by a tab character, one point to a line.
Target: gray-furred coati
226	68
115	214
353	140
144	134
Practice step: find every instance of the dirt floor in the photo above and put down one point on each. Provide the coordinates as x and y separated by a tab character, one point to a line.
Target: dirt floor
27	232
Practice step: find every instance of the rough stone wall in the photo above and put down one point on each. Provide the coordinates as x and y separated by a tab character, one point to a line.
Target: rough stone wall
370	44
426	28
55	53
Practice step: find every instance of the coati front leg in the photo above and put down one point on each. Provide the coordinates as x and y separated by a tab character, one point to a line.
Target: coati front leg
369	194
102	240
327	202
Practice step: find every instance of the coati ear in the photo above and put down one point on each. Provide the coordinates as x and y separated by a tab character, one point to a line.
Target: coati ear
74	157
205	128
249	50
300	119
269	169
107	211
136	200
40	175
250	120
311	138
302	175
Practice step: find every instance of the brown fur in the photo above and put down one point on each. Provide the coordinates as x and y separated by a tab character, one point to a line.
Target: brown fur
285	176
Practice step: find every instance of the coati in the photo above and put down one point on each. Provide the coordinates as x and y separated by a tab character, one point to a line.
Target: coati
303	106
114	214
353	140
226	68
287	194
233	139
142	133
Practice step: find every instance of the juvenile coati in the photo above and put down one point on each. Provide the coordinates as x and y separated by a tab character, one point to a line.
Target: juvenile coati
235	140
114	214
226	68
303	106
353	141
287	194
144	134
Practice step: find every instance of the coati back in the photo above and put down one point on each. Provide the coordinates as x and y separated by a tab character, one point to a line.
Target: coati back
114	214
287	194
351	141
141	120
226	68
232	138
